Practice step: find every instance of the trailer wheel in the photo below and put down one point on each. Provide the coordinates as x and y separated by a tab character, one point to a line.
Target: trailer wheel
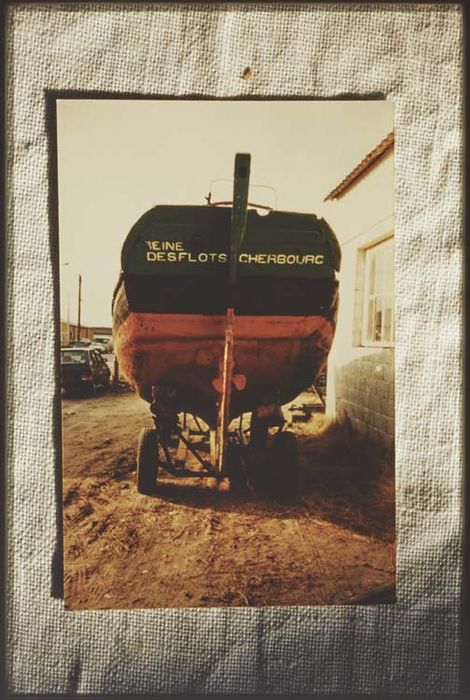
258	432
147	461
236	470
258	472
285	466
285	444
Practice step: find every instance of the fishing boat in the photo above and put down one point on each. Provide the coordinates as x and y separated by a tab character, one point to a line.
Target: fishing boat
219	311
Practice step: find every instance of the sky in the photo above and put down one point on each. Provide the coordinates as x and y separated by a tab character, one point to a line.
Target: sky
119	158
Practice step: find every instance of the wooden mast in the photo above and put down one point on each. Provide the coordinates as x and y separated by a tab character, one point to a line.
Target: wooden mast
237	232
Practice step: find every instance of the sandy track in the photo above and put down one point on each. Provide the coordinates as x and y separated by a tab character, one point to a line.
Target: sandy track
195	543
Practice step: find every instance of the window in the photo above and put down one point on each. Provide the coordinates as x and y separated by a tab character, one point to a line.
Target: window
73	357
378	311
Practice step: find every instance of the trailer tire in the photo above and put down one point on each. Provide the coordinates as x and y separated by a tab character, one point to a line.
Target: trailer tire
147	461
258	432
285	466
236	470
258	472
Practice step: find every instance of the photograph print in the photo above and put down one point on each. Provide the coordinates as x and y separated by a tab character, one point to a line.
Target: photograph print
226	352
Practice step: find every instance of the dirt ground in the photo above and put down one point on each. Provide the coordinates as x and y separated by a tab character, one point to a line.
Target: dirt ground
197	544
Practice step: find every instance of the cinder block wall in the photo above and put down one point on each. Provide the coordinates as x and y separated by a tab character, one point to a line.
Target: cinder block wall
365	393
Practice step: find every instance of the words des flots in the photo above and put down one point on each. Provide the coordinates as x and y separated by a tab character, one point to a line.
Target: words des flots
173	251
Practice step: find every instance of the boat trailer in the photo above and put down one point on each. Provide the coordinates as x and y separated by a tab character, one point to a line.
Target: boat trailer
239	454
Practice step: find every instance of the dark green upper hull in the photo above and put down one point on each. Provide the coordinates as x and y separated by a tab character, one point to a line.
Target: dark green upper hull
175	260
182	240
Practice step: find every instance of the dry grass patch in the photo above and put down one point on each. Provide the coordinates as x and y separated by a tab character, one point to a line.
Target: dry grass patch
348	478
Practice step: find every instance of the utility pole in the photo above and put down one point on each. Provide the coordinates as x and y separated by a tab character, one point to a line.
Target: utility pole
79	306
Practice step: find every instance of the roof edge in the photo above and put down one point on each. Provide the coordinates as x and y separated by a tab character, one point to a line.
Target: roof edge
370	159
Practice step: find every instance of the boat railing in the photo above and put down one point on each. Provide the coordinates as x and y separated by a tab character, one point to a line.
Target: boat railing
227	203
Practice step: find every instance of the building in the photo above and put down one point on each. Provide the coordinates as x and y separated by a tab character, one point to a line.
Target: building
64	333
361	363
69	333
102	330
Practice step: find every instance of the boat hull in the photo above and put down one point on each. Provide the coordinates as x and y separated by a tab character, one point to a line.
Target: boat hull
277	356
170	306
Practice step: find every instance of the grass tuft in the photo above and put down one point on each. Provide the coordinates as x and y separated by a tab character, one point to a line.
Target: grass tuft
350	477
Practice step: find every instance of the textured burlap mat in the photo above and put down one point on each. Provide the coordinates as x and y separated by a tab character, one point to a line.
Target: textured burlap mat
413	56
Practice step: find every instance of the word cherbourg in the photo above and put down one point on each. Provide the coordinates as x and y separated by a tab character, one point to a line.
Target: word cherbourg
173	251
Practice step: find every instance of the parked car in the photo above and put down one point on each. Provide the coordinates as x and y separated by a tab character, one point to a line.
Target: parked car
105	342
83	369
96	346
90	344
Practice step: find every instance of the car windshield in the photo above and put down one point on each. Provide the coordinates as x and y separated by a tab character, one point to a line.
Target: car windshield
73	357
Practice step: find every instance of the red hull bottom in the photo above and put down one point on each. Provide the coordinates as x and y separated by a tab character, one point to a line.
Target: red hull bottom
278	357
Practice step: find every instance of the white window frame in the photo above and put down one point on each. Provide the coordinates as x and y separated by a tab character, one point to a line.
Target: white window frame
382	294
